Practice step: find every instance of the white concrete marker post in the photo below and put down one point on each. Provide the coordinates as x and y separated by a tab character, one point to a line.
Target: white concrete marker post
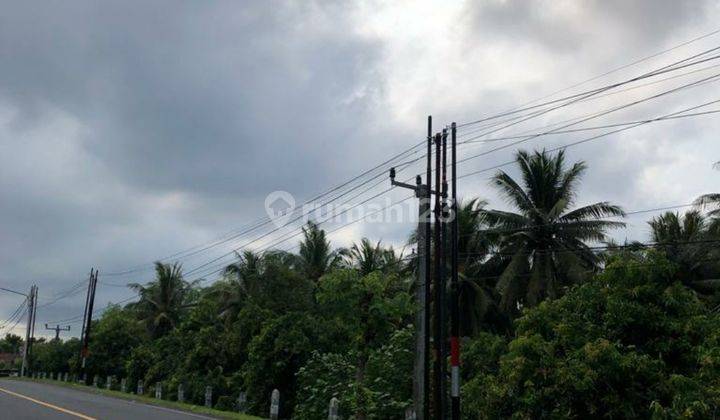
275	404
108	385
181	393
410	414
96	379
140	389
208	396
242	400
158	390
333	410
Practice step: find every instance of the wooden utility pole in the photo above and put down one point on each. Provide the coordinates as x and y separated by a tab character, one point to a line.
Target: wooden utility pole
443	275
57	330
87	318
29	331
437	294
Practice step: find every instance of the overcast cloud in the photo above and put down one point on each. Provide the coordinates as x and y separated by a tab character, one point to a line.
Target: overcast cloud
132	130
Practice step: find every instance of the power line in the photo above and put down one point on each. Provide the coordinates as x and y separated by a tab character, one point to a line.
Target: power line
266	220
22	316
536	114
280	227
78	318
579	96
596	97
14	314
13	291
565	146
596	127
638	61
64	295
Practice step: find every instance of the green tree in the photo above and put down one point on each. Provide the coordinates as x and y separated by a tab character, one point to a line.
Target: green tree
545	240
275	354
368	308
163	301
11	344
114	336
54	355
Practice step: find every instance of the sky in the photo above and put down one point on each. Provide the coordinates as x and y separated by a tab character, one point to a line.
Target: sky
130	131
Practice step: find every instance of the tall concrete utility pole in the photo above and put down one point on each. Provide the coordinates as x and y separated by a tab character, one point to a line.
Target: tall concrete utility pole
428	278
454	294
421	374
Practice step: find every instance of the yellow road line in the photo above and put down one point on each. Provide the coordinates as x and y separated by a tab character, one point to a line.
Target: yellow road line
54	407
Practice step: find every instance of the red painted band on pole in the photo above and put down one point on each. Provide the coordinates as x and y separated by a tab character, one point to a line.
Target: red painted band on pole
454	351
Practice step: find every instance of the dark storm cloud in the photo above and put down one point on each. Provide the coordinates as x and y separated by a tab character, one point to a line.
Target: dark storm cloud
191	97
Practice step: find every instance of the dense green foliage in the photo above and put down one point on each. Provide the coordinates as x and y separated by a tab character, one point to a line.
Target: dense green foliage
631	343
552	326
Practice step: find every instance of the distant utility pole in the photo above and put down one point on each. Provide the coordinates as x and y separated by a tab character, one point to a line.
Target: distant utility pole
87	317
421	377
32	327
57	330
30	330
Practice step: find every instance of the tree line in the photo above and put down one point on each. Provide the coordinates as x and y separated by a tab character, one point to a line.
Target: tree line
557	320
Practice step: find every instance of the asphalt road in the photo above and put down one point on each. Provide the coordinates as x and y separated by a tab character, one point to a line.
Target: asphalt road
20	400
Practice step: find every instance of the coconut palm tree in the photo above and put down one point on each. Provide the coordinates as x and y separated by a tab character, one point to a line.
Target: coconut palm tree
367	258
248	265
242	280
711	201
163	301
545	240
686	241
478	269
316	256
